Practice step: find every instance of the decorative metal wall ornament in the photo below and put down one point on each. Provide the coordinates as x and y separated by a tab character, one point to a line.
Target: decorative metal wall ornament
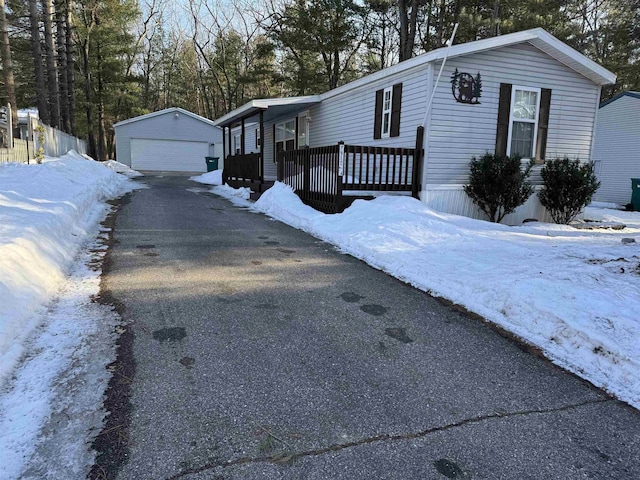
466	88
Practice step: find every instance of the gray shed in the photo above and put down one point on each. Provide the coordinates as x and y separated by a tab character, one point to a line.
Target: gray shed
168	140
617	147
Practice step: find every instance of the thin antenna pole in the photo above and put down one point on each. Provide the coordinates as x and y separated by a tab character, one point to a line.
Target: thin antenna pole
435	87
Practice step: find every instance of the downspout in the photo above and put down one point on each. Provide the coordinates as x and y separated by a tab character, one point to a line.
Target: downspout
595	124
427	114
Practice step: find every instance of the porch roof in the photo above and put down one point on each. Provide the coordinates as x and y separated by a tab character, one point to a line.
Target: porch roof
272	108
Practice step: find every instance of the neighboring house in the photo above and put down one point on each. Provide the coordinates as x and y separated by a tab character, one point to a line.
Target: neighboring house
169	140
617	147
526	93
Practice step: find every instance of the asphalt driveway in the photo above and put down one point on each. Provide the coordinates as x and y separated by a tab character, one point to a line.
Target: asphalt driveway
260	352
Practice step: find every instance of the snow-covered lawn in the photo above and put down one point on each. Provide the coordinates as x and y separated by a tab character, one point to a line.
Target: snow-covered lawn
54	342
574	293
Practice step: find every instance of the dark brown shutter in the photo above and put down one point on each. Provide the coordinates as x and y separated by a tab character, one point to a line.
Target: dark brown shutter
504	110
396	103
275	153
377	122
543	125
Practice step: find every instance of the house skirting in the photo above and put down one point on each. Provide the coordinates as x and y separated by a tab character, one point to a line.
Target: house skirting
453	199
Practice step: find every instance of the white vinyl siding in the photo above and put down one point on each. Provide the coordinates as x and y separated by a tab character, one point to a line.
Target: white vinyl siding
270	169
349	116
168	155
617	149
460	131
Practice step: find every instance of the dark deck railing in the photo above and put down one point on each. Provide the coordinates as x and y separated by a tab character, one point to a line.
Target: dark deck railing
380	169
320	176
242	169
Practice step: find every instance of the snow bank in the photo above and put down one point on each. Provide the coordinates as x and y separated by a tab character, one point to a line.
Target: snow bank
45	211
125	170
573	293
238	196
210	178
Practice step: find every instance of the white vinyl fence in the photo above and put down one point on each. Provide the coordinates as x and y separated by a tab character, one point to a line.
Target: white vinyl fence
57	143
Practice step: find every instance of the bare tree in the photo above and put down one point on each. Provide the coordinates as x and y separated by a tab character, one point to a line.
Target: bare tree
52	70
65	120
36	52
70	63
88	16
408	14
7	69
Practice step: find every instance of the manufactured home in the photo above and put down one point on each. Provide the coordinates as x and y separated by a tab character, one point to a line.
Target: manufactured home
525	93
617	147
170	140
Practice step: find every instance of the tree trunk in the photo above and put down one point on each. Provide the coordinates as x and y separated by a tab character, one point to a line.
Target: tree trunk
91	136
36	52
440	30
496	18
408	22
52	70
62	65
7	69
70	67
102	138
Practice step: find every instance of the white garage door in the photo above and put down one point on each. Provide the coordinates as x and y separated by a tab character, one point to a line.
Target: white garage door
168	155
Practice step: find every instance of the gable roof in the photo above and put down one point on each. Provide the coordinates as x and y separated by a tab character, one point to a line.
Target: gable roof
162	112
620	95
538	37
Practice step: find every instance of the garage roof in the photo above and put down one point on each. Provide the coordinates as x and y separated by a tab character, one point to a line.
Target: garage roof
162	112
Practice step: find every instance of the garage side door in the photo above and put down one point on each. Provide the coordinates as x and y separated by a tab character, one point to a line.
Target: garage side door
168	155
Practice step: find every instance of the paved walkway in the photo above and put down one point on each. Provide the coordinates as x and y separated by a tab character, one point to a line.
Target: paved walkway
262	353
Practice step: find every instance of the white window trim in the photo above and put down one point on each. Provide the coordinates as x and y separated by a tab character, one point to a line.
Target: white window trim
303	126
285	138
390	110
538	91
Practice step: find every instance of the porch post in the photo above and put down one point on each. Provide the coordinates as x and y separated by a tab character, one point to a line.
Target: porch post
229	137
262	145
418	154
242	138
224	145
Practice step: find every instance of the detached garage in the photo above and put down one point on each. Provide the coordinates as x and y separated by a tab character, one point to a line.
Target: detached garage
171	140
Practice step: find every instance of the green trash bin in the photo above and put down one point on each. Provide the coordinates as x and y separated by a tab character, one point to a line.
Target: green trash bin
635	194
212	163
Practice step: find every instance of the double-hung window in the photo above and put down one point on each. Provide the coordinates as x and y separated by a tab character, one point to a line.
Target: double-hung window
236	143
386	111
386	121
523	122
258	139
286	135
